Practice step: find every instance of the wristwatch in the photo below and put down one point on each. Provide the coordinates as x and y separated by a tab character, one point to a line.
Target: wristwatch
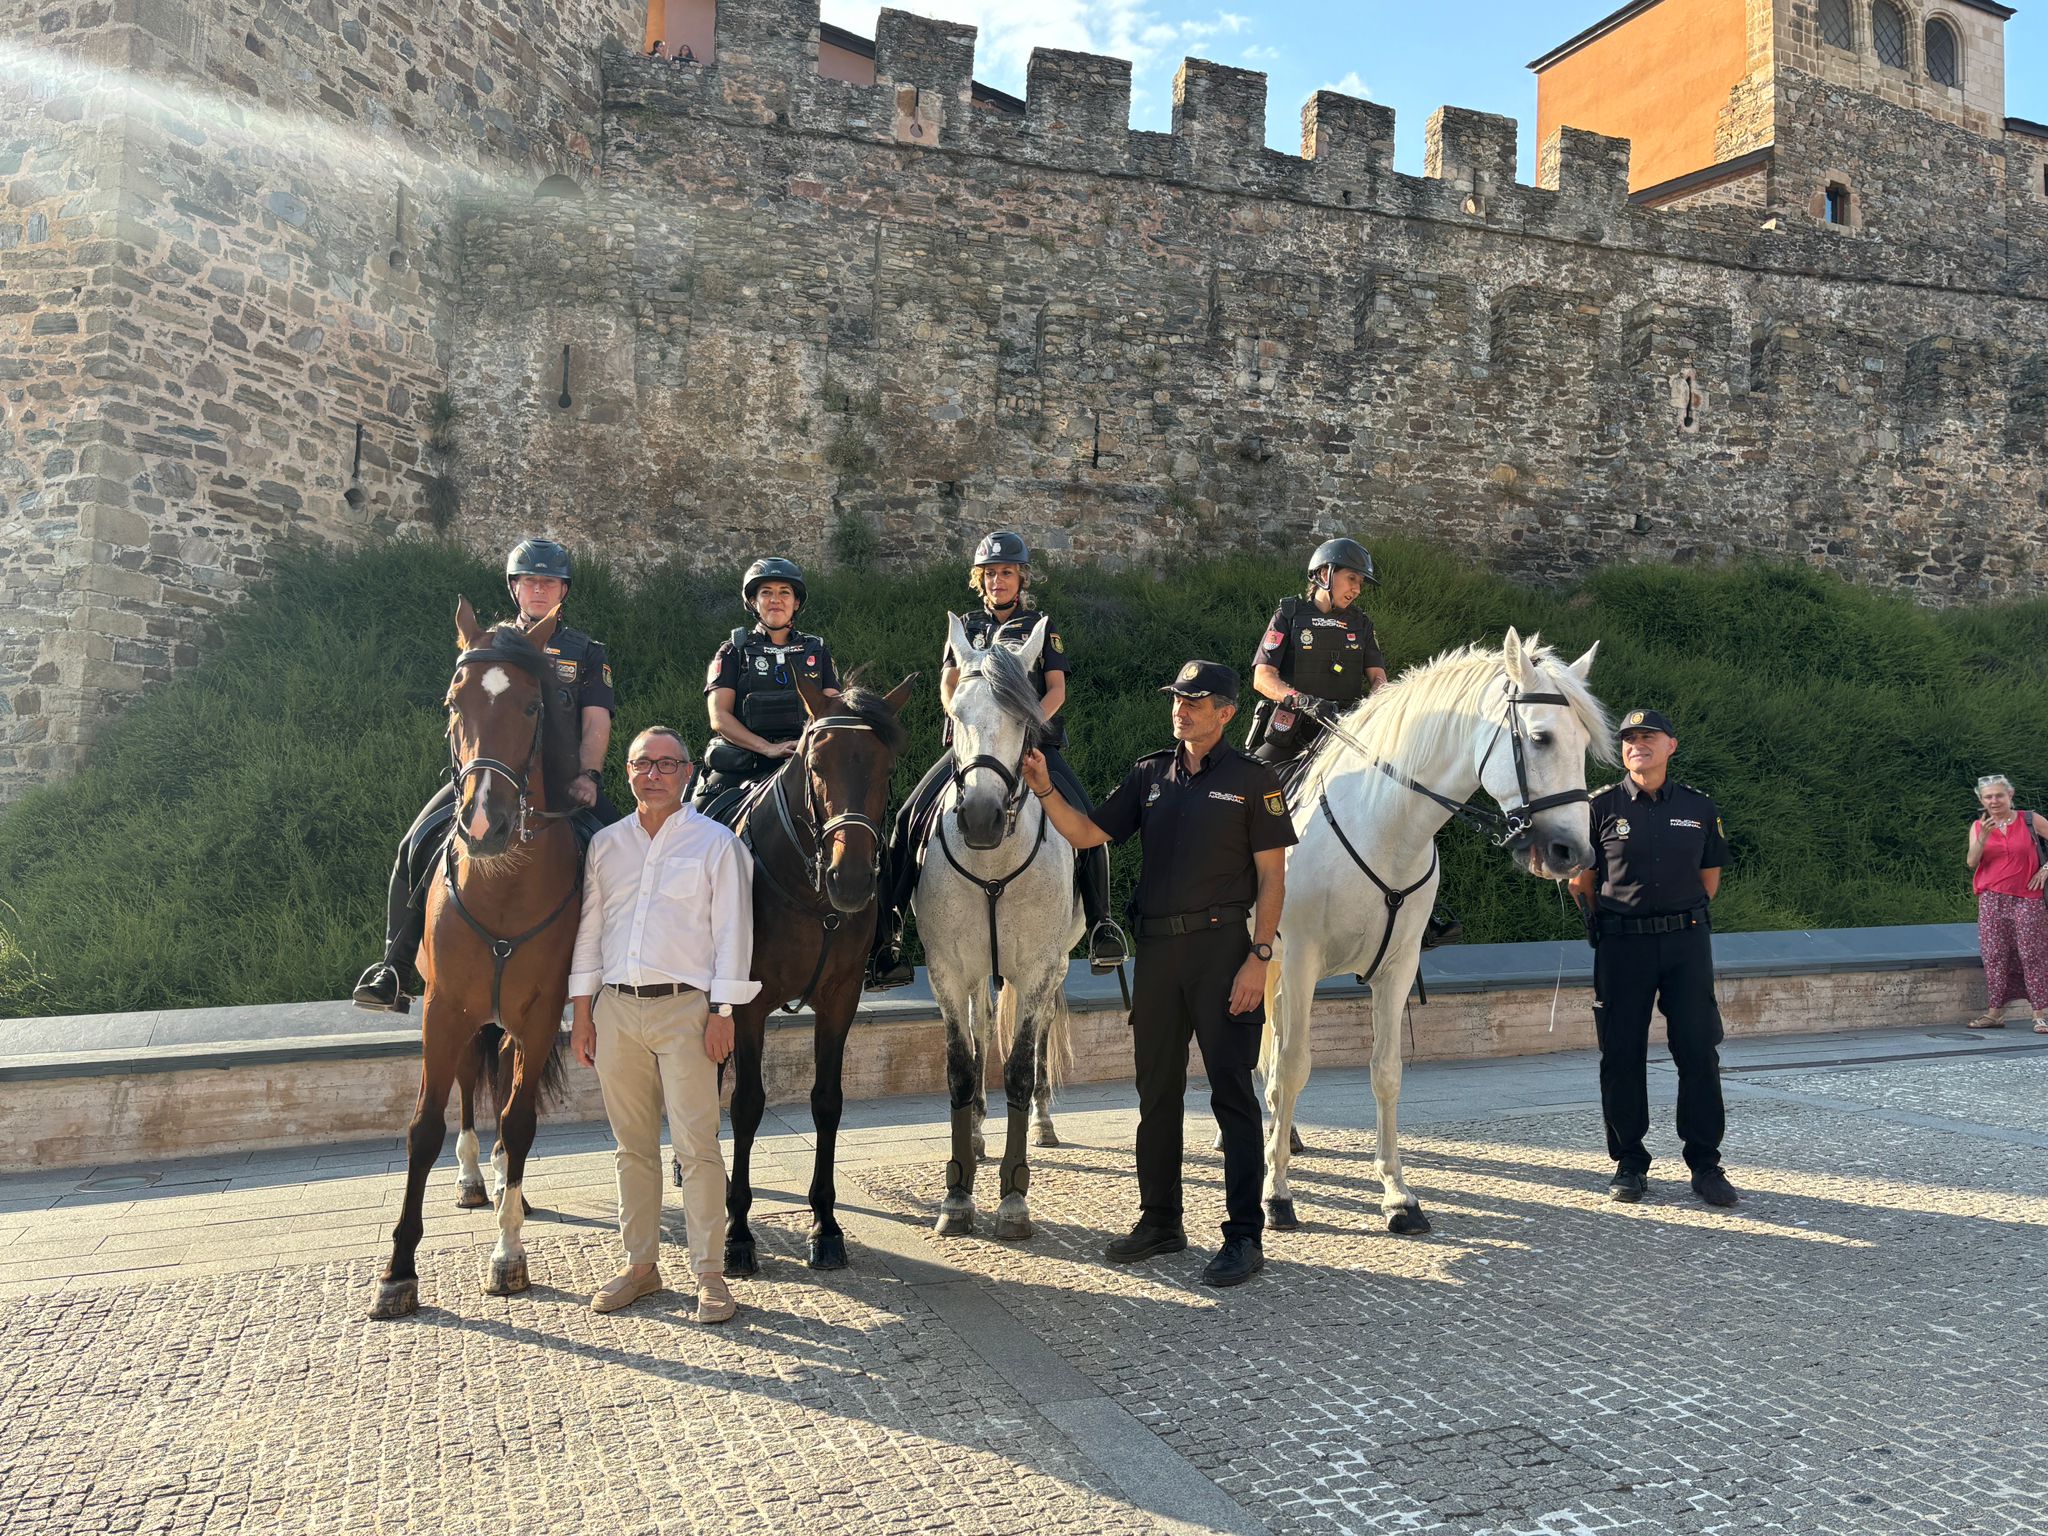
723	1010
1263	951
595	775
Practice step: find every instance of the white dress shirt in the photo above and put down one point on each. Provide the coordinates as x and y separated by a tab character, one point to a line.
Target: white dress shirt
675	907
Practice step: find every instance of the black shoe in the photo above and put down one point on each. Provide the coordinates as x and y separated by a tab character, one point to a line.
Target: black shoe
1106	948
1714	1188
1627	1188
1443	929
381	990
1143	1242
887	972
1236	1262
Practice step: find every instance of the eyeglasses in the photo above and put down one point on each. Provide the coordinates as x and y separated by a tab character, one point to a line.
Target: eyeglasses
665	766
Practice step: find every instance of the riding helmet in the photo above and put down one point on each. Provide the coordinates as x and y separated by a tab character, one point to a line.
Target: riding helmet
1003	548
538	557
773	568
1345	555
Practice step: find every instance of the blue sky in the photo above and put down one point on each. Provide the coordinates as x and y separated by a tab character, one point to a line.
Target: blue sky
1413	55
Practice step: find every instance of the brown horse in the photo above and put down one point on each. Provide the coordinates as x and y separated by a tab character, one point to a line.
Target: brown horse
501	922
815	829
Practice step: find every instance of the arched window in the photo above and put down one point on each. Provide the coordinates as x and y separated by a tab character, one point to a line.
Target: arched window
1888	33
1837	27
1835	204
556	187
1944	60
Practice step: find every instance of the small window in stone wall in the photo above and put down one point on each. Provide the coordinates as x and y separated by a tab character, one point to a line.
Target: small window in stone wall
1835	204
1888	33
1837	27
1944	62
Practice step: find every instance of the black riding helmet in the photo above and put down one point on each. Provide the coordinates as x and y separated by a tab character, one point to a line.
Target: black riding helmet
538	557
1003	548
773	568
1344	555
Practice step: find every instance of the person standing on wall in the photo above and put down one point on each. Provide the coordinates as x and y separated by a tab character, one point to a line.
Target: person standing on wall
537	574
2008	874
1214	830
1658	852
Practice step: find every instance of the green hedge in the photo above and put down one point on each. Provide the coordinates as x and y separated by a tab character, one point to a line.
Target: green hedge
230	838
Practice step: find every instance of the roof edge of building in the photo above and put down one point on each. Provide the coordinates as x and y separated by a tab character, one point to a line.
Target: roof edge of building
1598	30
1707	176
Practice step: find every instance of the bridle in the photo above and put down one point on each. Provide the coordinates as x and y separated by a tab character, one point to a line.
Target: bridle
1012	774
460	772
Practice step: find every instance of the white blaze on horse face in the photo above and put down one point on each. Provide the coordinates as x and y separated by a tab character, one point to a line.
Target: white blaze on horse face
496	681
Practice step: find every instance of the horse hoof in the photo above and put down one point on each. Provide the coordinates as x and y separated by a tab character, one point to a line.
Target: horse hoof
471	1197
828	1250
396	1298
1045	1136
1280	1216
740	1260
1407	1221
956	1217
507	1277
1295	1145
1013	1220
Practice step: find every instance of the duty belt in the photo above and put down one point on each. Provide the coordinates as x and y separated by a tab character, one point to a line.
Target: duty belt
1190	922
1674	922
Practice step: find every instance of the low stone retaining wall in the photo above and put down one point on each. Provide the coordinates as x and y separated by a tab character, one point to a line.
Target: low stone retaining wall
116	1106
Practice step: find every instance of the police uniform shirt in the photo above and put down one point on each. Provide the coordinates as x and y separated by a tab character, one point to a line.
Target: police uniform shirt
1650	848
760	666
1327	655
579	659
984	629
1198	830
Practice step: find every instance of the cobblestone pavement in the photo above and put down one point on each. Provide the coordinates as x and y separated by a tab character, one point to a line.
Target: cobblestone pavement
1857	1348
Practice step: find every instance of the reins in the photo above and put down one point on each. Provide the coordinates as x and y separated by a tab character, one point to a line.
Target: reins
829	918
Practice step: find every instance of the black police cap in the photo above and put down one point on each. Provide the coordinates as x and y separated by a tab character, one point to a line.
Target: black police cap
1645	720
1203	679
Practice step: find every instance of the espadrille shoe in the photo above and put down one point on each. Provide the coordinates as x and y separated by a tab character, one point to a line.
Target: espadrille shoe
625	1288
714	1300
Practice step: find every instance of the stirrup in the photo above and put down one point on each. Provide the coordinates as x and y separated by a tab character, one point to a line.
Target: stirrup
371	996
886	978
1104	964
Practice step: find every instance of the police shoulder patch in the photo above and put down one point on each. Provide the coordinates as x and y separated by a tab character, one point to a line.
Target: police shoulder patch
1276	802
1053	638
607	674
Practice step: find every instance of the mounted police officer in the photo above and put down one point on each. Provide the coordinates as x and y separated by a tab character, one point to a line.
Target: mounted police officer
751	687
538	573
1317	658
1001	577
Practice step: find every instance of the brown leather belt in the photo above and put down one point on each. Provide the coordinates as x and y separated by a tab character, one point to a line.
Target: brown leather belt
664	989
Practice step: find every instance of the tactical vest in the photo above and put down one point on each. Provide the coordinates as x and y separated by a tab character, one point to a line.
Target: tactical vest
1326	652
983	629
566	649
765	695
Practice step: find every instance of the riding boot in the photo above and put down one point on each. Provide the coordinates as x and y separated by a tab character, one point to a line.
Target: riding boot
381	988
1443	929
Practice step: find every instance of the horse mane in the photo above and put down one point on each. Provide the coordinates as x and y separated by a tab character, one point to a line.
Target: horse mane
1012	684
874	712
561	732
1416	710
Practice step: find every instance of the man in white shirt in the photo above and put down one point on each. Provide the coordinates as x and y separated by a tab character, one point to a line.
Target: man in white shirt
663	952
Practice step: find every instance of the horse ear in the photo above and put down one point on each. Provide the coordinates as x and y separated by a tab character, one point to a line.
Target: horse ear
956	637
1584	664
1516	660
1029	652
544	631
813	697
899	696
468	633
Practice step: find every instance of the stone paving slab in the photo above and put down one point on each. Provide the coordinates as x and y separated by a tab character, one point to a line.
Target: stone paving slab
1857	1348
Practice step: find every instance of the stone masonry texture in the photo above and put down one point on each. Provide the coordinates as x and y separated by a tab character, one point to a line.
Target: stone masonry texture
305	271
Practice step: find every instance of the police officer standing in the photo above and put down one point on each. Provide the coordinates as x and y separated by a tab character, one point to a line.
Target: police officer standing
750	688
1214	829
1659	849
537	574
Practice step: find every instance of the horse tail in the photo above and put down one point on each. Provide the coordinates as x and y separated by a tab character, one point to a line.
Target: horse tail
1004	1021
1056	1042
1269	1034
494	1063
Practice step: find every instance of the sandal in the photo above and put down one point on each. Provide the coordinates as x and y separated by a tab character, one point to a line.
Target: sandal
1990	1021
2041	1026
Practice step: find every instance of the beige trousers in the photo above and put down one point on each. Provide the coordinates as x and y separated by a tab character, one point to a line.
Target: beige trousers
651	1050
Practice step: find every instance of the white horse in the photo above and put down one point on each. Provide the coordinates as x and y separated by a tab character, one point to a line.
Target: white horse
998	913
1362	880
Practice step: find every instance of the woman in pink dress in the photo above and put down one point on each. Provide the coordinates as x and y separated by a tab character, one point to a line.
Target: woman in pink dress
2012	924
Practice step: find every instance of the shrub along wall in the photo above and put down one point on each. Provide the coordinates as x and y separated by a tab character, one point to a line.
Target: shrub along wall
229	840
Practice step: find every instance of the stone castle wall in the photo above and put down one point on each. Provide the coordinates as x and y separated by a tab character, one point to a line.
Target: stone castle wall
788	304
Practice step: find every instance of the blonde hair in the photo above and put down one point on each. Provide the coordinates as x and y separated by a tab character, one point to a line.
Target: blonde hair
974	580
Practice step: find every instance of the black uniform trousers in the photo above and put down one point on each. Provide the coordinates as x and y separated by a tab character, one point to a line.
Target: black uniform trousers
1182	989
912	827
1676	972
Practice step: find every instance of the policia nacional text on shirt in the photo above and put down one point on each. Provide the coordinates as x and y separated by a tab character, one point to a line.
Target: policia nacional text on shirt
1214	830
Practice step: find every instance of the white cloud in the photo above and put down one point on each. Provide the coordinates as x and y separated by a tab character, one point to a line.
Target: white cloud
1150	35
1261	53
1350	85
